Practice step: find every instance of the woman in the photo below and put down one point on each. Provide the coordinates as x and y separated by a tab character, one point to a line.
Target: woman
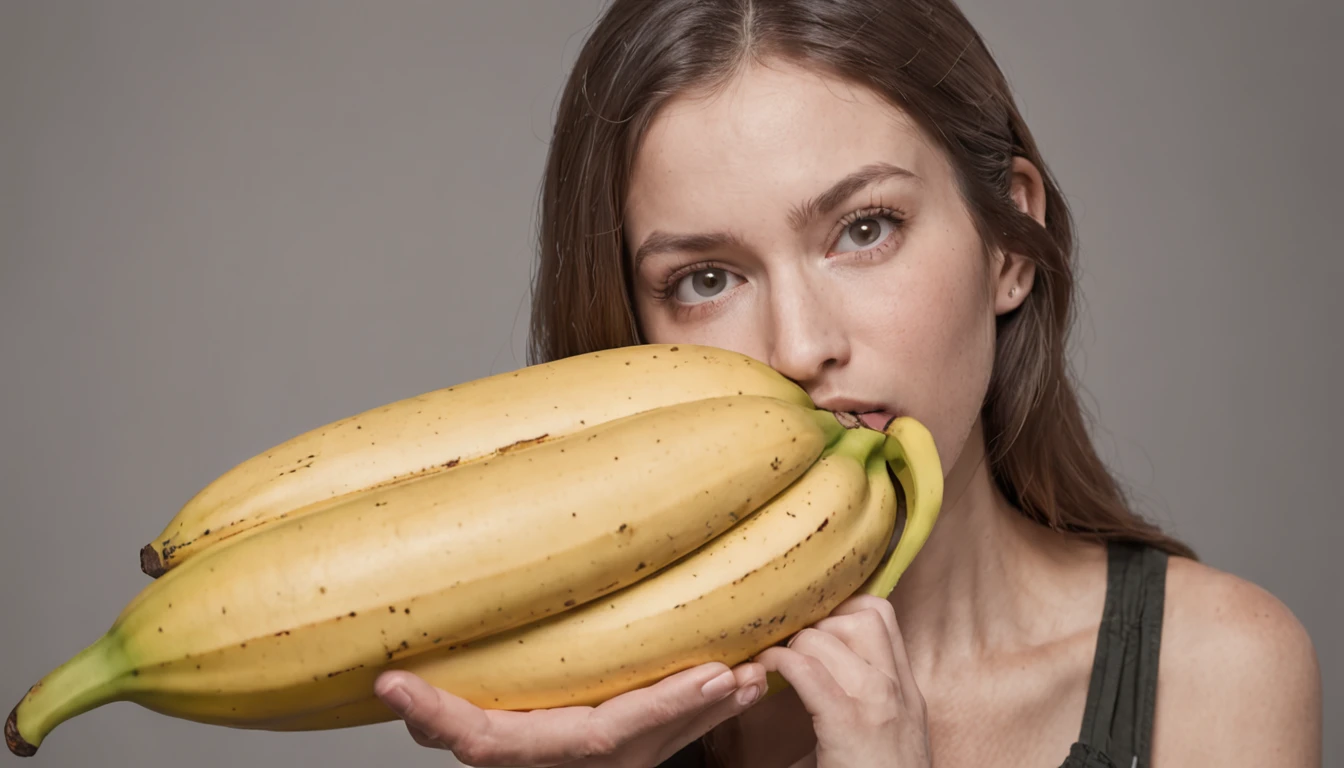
846	191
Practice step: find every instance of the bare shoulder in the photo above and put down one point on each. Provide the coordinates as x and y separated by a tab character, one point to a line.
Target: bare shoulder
1239	680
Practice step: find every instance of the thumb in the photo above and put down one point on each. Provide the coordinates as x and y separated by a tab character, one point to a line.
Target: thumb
431	713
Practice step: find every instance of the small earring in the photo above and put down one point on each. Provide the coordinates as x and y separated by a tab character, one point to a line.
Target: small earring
1012	292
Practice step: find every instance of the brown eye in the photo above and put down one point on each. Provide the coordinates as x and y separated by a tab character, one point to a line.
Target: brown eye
865	233
702	285
707	283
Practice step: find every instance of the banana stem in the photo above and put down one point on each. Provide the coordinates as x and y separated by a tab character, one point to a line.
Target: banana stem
88	680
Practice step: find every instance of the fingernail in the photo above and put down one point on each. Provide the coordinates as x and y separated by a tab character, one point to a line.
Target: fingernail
719	687
749	694
398	699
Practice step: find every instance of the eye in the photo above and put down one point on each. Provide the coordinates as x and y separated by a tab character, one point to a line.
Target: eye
703	285
865	233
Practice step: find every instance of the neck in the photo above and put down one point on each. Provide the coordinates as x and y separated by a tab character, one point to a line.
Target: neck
987	578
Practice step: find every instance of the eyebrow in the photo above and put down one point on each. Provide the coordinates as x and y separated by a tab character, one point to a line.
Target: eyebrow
799	216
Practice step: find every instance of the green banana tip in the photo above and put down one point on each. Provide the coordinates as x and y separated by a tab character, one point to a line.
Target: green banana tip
14	740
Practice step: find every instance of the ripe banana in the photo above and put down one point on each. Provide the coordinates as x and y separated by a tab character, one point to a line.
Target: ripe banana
452	426
778	571
705	527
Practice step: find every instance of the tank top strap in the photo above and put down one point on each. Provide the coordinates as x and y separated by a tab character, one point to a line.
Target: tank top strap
1122	692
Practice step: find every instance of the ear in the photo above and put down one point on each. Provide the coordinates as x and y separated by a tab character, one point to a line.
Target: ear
1016	274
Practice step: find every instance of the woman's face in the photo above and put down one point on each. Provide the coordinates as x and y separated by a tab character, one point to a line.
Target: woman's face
809	224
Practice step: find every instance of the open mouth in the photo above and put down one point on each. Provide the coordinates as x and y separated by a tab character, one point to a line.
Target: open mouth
877	420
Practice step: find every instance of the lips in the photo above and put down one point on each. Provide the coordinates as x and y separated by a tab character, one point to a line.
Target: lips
851	412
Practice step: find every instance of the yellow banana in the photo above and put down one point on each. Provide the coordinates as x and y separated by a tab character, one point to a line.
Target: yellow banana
297	614
453	426
778	571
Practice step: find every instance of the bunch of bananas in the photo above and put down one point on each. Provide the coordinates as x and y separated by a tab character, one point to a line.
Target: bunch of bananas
546	537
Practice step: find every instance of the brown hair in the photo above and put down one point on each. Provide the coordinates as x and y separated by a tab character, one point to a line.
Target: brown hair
924	57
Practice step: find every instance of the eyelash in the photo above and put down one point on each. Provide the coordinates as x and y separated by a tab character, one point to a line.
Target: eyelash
669	283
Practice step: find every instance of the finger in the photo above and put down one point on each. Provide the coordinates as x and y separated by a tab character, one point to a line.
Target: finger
883	608
434	718
862	602
672	702
866	635
855	676
750	689
817	688
545	737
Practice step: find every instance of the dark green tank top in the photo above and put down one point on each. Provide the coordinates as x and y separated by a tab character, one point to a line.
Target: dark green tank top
1118	717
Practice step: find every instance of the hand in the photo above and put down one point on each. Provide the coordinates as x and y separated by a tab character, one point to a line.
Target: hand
851	673
633	730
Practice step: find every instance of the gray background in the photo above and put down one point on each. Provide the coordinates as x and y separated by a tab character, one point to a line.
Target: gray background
222	224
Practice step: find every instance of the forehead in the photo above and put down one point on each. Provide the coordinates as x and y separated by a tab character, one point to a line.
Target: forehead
774	133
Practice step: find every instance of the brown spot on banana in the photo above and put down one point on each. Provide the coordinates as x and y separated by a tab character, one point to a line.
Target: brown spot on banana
520	444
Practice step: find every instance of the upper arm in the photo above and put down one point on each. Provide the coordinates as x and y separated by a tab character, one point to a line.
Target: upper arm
1239	682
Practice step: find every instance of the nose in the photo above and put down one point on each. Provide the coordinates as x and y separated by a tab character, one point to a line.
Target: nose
807	335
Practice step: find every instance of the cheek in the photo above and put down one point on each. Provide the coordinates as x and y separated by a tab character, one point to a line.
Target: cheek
736	327
933	336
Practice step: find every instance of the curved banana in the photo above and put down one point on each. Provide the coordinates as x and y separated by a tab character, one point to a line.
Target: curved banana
299	613
569	660
913	458
782	569
453	426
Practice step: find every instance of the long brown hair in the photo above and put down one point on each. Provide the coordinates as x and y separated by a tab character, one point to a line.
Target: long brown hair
924	57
